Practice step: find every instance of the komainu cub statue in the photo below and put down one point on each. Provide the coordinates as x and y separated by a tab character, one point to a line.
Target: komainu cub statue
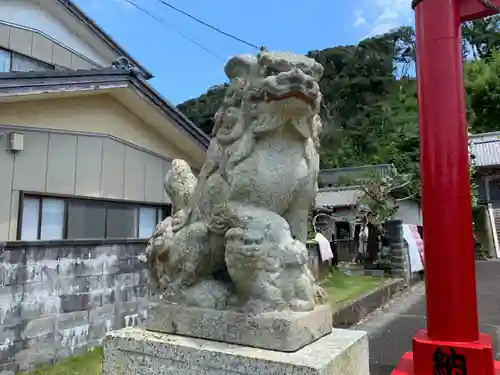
236	239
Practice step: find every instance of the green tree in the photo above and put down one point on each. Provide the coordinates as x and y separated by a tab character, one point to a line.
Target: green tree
482	85
370	98
356	84
201	110
481	37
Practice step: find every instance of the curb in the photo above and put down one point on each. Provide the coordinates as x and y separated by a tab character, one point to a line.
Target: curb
351	312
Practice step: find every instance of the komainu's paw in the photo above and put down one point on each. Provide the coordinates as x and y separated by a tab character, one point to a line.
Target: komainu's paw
210	294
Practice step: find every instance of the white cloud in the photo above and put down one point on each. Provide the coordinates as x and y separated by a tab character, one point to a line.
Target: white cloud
381	28
359	18
392	14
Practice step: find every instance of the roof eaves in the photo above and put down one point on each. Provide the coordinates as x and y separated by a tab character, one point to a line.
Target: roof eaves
359	168
172	111
105	76
63	73
45	82
341	188
487	134
340	198
486	150
96	29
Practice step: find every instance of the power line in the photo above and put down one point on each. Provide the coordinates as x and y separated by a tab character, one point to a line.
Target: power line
210	26
172	26
489	4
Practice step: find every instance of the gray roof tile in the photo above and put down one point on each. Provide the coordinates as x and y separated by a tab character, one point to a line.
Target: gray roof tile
352	175
337	197
486	149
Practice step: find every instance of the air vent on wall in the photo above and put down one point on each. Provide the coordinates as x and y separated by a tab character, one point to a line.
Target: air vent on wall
15	141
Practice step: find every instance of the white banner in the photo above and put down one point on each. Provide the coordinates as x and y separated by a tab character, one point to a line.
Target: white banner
415	247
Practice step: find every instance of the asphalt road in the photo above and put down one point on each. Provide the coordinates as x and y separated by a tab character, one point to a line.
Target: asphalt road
392	328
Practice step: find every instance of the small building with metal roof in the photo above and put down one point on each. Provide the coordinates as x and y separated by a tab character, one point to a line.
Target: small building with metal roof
340	191
485	150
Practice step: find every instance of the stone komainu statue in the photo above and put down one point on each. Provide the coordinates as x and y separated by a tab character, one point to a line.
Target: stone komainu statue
236	238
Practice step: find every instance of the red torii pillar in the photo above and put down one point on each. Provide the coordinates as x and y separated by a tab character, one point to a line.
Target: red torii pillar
451	344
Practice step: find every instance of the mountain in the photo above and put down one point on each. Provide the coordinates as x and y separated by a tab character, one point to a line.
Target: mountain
370	96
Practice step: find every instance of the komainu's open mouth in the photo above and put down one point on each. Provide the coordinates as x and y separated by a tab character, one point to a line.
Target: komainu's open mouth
291	94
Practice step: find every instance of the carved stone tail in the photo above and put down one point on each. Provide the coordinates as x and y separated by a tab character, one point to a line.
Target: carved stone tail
179	184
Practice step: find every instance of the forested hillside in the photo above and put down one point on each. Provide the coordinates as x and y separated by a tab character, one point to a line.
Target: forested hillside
370	96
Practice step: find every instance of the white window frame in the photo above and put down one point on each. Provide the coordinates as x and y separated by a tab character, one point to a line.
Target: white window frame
34	215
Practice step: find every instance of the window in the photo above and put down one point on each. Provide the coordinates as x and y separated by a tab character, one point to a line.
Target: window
5	60
15	62
21	63
121	221
52	225
163	213
48	218
86	219
148	219
31	215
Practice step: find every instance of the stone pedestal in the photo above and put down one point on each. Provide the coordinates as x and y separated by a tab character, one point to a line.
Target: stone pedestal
284	331
133	351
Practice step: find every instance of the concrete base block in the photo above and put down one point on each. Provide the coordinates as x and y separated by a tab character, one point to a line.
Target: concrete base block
283	331
133	351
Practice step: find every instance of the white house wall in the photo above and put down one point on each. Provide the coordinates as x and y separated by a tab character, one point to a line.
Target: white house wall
76	164
99	114
28	14
409	212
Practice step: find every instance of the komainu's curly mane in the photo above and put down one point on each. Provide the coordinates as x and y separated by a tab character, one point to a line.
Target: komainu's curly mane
247	113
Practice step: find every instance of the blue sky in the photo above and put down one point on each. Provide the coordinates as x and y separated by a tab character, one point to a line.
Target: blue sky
183	70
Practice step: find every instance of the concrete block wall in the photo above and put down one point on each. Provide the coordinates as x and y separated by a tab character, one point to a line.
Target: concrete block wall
399	251
58	299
